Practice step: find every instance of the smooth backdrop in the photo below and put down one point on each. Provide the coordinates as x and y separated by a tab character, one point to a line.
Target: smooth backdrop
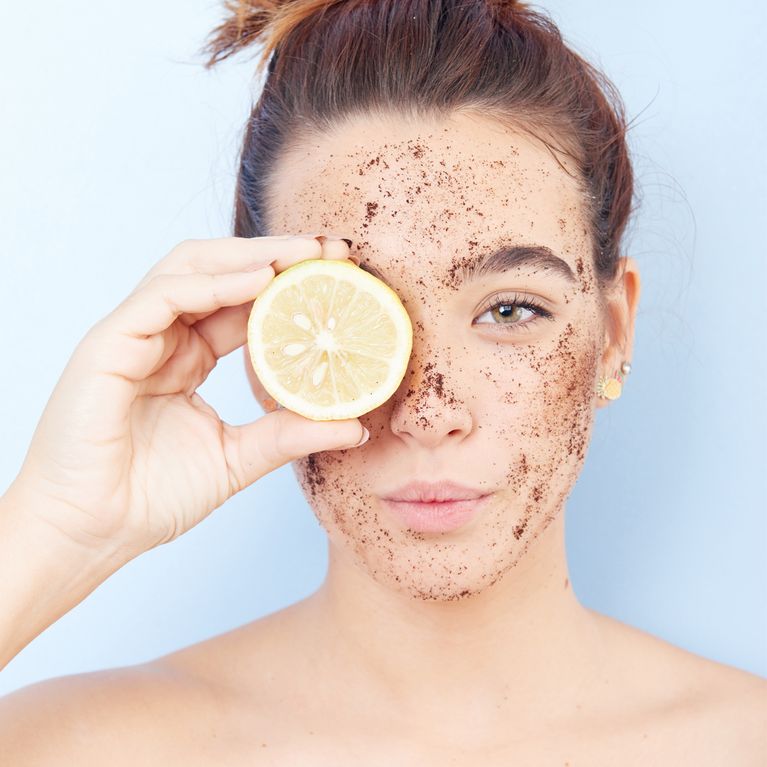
116	145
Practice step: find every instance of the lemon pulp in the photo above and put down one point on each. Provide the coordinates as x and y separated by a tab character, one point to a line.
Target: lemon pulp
328	340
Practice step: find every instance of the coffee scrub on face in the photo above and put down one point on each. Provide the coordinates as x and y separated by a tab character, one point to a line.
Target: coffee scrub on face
508	409
504	253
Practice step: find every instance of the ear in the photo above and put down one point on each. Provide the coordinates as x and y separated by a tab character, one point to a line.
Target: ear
621	306
265	399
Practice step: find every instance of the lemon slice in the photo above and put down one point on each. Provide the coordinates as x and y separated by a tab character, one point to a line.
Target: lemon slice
328	340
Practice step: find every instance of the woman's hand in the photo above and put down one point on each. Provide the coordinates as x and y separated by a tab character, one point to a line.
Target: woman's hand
127	454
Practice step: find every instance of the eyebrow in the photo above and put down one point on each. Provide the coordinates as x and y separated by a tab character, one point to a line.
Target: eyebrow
502	260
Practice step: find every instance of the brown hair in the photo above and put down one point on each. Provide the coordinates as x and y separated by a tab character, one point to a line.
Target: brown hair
330	58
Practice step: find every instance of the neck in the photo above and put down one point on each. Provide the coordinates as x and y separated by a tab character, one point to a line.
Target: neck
524	644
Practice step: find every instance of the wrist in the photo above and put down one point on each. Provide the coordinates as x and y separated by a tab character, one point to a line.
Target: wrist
43	572
29	509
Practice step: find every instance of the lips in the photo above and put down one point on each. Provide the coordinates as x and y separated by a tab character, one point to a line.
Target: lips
437	516
444	491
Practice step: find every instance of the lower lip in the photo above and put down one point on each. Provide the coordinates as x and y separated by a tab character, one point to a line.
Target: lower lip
437	517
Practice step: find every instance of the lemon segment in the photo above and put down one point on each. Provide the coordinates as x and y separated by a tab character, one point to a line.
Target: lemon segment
328	340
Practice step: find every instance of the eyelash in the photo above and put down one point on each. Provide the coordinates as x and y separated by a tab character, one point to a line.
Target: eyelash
519	301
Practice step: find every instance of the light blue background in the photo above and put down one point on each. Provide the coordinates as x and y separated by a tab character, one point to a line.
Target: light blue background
116	145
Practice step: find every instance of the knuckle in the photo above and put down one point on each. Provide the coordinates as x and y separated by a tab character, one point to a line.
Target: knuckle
218	284
182	253
162	287
314	248
163	279
307	247
150	283
271	446
161	284
215	290
93	338
284	447
183	247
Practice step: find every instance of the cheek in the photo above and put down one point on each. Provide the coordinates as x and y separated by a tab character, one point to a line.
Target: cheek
541	391
568	400
540	410
316	475
337	499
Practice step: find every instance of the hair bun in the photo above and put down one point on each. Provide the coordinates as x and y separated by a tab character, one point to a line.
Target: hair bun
248	21
245	23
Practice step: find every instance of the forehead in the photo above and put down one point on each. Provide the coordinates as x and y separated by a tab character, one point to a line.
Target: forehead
392	181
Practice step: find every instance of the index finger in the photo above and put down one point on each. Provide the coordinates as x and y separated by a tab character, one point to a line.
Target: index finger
222	255
225	255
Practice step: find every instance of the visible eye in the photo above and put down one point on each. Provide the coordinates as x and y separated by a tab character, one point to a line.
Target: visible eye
514	312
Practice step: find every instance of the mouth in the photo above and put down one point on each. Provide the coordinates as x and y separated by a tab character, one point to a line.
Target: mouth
443	491
436	516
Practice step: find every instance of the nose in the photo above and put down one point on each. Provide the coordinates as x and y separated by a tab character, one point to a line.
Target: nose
426	406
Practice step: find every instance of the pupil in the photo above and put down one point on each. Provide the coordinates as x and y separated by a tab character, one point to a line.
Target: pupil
506	311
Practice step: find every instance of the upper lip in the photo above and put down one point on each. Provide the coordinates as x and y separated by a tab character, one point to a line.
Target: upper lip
429	492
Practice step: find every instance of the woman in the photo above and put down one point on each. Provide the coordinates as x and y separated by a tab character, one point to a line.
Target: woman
480	169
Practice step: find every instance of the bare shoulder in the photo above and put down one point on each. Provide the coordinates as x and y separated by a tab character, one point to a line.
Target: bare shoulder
729	712
208	703
700	706
131	712
733	704
203	704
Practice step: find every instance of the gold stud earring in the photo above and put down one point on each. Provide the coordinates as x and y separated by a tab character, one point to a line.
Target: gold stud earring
611	388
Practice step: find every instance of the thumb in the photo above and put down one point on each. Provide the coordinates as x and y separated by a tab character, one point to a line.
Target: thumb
254	449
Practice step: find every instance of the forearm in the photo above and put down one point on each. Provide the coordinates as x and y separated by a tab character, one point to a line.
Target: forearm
43	575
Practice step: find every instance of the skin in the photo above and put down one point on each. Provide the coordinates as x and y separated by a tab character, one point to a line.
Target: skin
457	649
415	621
502	408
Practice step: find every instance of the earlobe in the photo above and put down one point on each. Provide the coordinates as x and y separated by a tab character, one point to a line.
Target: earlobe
611	387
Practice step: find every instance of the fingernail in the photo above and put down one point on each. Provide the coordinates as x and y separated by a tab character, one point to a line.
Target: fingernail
363	439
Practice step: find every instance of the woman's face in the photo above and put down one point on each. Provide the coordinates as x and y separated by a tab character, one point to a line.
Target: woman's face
502	400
